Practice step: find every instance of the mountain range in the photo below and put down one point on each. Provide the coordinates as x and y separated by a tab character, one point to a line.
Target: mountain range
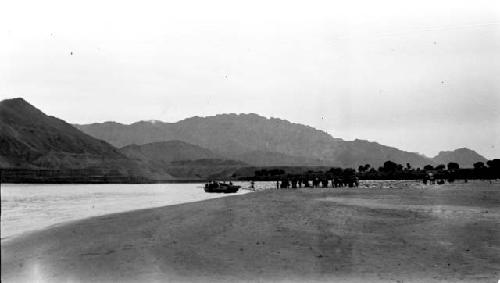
197	147
262	141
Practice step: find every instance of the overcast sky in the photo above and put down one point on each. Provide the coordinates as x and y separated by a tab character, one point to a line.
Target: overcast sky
422	76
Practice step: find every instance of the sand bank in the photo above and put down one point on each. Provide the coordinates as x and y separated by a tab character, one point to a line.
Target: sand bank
446	233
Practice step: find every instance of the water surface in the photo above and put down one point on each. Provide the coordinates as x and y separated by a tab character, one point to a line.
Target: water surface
29	207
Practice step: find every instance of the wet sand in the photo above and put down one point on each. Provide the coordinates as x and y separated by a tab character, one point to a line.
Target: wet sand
409	233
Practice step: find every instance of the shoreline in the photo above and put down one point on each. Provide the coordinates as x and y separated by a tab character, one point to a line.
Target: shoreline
13	226
294	235
72	222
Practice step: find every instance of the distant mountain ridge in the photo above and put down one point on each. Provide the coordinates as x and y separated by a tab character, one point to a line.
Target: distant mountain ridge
194	148
463	156
258	141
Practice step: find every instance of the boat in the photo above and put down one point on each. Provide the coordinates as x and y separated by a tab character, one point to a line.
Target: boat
216	187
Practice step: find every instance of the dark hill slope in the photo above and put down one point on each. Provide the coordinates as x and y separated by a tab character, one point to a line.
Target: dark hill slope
28	135
179	159
32	140
168	151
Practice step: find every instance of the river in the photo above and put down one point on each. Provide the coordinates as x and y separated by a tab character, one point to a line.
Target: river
30	207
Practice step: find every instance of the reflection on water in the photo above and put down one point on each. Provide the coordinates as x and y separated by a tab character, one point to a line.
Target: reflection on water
33	207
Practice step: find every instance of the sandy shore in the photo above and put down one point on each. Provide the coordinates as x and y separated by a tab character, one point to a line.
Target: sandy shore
445	233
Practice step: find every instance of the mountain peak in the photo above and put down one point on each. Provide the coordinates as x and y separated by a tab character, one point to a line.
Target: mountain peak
461	150
18	109
226	116
15	100
463	156
18	103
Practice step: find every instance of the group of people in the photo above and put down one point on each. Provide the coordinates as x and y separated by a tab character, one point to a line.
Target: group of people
430	178
316	183
216	183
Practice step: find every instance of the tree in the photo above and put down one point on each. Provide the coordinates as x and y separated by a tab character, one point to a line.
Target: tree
440	167
428	167
364	168
478	165
348	172
453	166
494	167
480	170
494	164
336	171
261	173
408	166
390	166
276	172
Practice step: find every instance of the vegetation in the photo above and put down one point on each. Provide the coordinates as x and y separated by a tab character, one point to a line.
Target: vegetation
390	171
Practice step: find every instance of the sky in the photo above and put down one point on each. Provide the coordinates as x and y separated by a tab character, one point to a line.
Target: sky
422	76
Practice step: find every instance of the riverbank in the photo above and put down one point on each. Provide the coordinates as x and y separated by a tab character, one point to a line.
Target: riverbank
436	233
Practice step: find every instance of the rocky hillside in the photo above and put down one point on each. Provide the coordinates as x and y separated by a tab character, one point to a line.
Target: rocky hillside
257	140
35	141
29	137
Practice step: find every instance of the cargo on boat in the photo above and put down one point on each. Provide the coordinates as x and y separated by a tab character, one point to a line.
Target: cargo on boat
216	187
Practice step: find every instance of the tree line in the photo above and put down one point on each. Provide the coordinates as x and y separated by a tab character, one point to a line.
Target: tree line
450	171
393	171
